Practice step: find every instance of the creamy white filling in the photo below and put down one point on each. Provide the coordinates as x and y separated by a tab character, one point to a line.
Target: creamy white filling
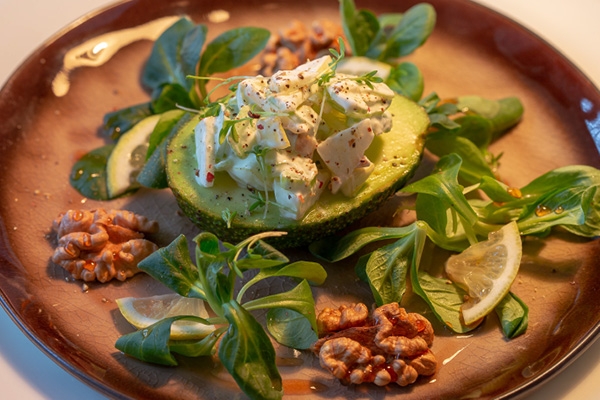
275	130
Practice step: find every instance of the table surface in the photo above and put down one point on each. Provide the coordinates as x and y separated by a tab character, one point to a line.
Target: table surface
27	373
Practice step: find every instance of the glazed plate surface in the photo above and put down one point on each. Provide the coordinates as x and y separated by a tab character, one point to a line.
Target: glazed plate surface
51	111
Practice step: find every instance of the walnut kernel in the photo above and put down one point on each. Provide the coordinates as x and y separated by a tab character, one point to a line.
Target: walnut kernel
392	346
102	245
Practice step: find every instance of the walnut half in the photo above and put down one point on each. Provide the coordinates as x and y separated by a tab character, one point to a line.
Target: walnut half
392	346
102	245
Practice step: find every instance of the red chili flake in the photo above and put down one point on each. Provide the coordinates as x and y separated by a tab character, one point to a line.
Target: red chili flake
260	126
210	177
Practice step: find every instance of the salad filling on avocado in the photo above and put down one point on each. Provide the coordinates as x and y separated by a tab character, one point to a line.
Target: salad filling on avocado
296	134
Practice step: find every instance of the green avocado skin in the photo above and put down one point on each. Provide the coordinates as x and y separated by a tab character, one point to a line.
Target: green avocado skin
396	155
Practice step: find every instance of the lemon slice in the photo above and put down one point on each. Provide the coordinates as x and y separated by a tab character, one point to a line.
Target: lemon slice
487	270
128	157
359	66
145	311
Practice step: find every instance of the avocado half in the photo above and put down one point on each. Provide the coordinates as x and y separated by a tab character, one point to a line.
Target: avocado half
396	155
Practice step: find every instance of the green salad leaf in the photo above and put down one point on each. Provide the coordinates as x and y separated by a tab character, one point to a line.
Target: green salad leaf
245	348
443	296
172	266
453	218
361	27
513	314
406	78
153	174
153	345
467	126
452	214
290	328
171	96
248	355
562	197
414	28
502	114
390	37
385	269
118	122
232	49
88	174
175	55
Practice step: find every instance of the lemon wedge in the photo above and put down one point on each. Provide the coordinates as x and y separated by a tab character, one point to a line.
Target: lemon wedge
487	270
128	157
145	311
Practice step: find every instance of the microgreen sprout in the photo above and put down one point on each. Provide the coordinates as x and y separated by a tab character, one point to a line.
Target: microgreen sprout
229	128
259	201
369	79
228	216
336	57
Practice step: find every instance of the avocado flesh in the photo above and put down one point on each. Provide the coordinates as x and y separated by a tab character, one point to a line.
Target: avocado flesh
396	155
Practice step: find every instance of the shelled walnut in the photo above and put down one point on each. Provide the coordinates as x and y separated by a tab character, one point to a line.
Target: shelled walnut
344	317
102	245
391	346
298	43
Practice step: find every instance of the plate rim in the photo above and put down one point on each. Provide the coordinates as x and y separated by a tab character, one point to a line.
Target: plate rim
557	367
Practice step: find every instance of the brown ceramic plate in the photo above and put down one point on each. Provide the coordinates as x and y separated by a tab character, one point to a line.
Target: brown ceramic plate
50	117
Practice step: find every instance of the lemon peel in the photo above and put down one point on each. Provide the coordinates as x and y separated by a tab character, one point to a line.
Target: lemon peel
128	157
144	311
